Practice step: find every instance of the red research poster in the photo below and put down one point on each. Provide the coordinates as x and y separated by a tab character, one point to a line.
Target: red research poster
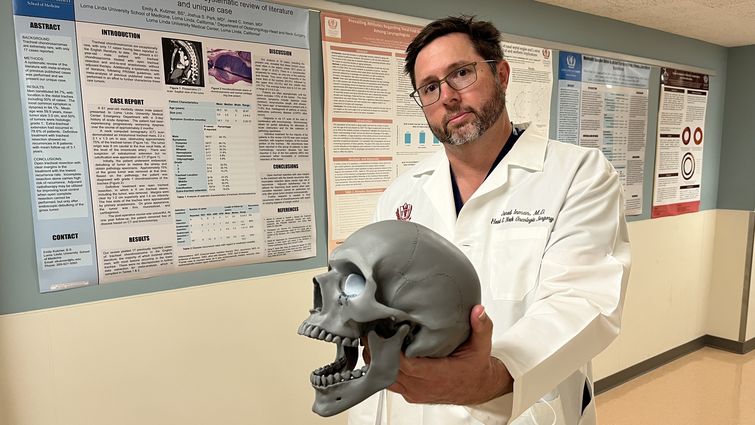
373	130
681	141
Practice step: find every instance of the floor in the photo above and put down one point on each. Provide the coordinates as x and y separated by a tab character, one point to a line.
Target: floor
709	386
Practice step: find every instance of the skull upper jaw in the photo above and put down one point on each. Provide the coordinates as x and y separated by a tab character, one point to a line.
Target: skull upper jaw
382	372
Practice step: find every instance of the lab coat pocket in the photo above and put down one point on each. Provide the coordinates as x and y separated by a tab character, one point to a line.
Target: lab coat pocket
515	261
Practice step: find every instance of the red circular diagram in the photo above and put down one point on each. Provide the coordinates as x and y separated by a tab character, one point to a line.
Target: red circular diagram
698	135
686	135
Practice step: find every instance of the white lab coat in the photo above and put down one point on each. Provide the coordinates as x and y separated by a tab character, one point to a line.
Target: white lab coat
547	235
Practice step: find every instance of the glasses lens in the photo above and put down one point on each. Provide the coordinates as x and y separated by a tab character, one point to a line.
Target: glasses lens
429	93
462	77
458	79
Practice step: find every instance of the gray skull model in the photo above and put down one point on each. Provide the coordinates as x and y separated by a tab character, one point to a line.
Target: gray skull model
401	285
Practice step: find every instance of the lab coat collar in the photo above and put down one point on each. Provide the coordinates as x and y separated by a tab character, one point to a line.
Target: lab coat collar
527	153
529	150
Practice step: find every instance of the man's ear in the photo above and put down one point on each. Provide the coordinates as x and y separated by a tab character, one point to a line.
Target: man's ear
503	71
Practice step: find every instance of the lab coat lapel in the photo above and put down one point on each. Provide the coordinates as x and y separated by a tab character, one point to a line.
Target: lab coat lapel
528	153
438	190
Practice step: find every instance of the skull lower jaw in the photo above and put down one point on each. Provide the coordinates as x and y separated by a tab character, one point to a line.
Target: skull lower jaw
341	370
334	398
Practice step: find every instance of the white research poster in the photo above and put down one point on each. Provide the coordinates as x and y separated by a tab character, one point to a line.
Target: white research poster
681	141
528	96
165	136
374	131
603	103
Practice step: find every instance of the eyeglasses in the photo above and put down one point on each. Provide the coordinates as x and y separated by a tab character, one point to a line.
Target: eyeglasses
458	79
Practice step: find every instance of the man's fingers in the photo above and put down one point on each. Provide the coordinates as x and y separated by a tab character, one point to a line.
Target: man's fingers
419	367
405	364
415	366
397	388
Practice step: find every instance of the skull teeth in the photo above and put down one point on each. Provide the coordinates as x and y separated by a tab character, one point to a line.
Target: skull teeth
337	377
331	368
342	369
316	332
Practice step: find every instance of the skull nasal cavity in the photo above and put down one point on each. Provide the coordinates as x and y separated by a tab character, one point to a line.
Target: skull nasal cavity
318	295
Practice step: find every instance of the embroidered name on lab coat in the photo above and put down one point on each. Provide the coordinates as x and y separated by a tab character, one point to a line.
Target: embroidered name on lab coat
515	215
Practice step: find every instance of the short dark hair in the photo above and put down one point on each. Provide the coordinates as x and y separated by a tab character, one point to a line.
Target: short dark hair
485	37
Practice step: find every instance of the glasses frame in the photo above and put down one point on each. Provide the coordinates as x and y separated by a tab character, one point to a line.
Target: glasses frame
415	94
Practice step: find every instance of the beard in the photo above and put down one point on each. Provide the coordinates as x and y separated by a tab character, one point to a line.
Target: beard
481	122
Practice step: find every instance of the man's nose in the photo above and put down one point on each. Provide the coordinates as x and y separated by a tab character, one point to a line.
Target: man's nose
449	94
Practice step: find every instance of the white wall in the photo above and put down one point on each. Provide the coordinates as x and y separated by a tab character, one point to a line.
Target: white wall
686	282
666	302
727	279
215	354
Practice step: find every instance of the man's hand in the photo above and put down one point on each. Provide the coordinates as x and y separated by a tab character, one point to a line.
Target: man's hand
467	376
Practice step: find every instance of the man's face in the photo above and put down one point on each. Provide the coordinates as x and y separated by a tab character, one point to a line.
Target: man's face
460	117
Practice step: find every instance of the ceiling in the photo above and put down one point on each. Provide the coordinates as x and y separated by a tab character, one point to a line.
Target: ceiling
728	23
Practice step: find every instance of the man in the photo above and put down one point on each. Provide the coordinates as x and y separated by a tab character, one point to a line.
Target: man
542	222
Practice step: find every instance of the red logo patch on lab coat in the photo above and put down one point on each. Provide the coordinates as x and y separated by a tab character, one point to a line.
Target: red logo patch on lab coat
404	212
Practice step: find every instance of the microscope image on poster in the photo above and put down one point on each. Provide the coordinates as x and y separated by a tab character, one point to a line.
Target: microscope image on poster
401	286
229	67
182	62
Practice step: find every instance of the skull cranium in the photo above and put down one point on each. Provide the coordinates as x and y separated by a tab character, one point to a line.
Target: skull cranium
402	286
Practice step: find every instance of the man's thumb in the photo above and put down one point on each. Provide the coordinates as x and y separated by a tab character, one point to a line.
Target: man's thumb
480	321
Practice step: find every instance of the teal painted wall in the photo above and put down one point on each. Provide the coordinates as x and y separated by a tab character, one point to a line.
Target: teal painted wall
736	187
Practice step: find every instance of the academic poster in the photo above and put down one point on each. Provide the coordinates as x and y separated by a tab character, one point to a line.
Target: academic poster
681	141
603	103
165	136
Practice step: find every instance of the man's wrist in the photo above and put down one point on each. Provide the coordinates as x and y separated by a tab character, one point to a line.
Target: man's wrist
502	381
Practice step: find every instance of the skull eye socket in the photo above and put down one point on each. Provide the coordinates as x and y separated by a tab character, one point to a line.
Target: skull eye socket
353	285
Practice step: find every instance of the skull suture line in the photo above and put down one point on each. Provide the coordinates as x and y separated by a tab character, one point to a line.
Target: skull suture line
401	285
